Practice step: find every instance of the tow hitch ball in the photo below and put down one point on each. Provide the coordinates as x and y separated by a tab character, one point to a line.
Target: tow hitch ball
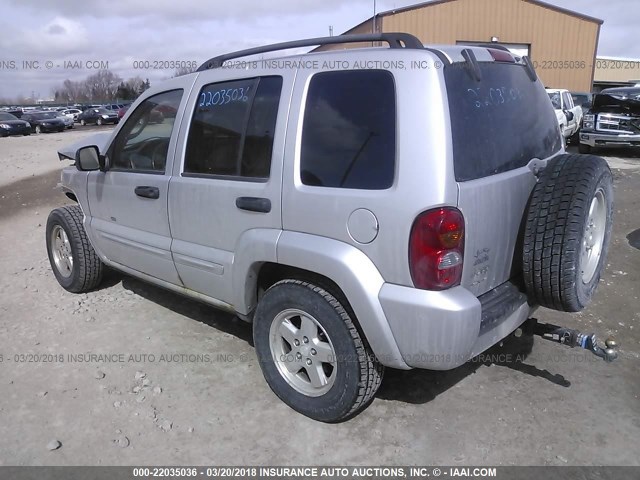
571	338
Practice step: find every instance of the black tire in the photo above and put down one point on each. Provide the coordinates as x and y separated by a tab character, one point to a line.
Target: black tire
87	269
575	138
82	122
584	148
99	122
38	130
358	374
557	227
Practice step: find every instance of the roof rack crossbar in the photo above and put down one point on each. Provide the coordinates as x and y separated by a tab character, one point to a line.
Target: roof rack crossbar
395	40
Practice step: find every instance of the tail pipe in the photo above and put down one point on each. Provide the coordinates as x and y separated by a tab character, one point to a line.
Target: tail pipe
571	338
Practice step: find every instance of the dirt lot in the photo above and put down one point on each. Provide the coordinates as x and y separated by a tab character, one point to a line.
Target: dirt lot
178	382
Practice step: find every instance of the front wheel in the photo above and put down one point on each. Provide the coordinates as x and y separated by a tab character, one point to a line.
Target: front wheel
99	122
82	122
311	353
38	129
74	262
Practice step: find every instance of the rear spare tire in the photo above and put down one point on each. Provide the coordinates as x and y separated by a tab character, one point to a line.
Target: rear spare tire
567	232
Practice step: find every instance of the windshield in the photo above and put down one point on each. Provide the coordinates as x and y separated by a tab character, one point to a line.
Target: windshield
580	99
499	123
7	116
555	100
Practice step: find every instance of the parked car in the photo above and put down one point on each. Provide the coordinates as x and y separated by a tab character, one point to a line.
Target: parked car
122	111
16	112
12	125
356	231
44	122
99	116
72	112
568	115
613	120
68	120
113	106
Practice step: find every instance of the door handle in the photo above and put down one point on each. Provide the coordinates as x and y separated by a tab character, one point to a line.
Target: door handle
254	204
147	192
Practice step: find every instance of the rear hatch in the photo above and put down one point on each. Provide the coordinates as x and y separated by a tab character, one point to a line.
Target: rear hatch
499	124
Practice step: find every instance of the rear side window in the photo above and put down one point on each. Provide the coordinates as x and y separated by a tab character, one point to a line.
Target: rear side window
349	130
233	127
499	123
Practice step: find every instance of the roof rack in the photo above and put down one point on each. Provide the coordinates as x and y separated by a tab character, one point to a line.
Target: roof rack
395	40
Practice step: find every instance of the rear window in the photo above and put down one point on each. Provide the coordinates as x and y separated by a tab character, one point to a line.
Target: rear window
499	123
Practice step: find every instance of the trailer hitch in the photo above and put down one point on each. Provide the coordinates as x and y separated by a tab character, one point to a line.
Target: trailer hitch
571	338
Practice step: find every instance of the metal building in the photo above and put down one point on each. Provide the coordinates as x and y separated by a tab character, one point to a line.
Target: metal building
561	44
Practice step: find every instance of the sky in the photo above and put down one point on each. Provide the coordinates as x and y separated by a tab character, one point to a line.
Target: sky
70	39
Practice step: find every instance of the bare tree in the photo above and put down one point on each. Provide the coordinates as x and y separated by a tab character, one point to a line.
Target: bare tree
184	71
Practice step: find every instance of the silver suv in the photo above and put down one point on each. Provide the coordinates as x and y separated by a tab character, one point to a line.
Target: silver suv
406	207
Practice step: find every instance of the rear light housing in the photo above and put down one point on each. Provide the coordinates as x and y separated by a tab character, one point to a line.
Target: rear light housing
501	55
436	248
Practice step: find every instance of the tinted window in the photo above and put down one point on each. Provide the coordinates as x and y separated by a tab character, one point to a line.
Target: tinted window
499	123
7	116
143	142
349	132
233	126
567	101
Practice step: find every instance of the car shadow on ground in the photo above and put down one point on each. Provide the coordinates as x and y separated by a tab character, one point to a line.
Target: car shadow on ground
422	386
410	386
198	311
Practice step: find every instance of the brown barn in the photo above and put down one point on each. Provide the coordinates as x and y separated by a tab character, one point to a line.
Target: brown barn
562	44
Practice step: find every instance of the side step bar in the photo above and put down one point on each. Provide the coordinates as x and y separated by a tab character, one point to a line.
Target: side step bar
571	338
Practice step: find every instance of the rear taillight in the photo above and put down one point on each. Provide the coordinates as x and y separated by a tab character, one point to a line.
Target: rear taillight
436	247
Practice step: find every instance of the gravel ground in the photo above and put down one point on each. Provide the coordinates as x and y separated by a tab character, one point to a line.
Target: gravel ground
133	374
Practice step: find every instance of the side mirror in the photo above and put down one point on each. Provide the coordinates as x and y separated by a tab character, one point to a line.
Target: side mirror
569	115
89	158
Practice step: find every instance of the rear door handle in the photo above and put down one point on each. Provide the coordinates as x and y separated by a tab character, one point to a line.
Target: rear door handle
147	192
254	204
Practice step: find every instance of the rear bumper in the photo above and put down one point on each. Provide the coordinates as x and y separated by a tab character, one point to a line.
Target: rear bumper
443	330
609	140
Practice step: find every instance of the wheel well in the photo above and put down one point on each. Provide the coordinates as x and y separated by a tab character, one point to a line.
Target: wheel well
271	273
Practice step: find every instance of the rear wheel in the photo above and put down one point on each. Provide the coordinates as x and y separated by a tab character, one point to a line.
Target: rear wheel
311	353
74	262
567	232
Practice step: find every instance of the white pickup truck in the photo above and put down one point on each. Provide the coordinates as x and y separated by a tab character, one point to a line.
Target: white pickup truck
569	115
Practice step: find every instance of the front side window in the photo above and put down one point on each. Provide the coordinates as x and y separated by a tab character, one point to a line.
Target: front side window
233	127
143	142
349	132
